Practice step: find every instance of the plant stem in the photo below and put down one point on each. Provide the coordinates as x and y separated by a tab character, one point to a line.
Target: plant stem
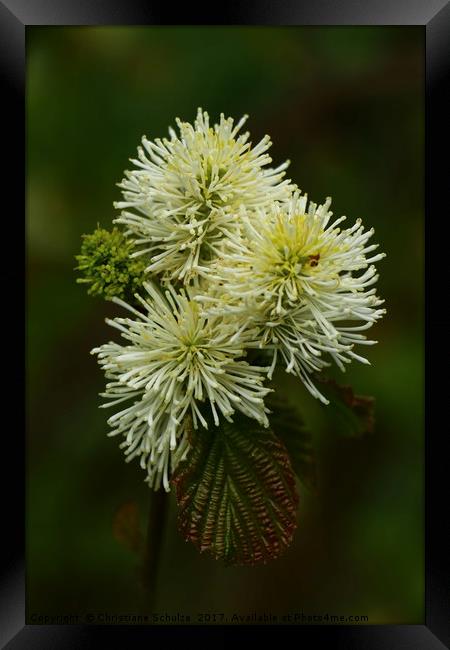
157	516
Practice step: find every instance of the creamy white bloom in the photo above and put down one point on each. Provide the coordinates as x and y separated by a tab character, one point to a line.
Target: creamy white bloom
291	275
176	358
187	190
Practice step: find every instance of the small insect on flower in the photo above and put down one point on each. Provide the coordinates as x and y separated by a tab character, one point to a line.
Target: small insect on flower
176	359
290	275
188	189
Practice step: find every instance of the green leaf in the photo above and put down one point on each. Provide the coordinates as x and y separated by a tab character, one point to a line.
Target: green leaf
355	413
236	493
288	425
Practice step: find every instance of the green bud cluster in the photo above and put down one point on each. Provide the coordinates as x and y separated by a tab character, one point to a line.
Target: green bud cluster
107	266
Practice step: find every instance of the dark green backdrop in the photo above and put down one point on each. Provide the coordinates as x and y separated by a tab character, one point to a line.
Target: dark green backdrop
346	106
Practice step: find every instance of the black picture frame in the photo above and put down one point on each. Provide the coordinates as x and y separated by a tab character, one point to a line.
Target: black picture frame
434	17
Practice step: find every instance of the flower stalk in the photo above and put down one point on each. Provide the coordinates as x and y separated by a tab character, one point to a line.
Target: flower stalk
156	527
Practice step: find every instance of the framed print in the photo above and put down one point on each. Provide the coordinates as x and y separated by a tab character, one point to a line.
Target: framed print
221	217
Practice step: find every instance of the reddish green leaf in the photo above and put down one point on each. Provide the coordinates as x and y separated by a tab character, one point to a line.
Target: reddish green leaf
288	425
356	413
236	493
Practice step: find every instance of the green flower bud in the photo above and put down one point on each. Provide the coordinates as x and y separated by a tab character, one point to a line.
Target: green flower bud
107	266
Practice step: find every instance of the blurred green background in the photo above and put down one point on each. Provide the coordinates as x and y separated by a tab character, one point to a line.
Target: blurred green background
346	106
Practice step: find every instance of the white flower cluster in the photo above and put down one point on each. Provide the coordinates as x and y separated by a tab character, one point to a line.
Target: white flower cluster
188	189
238	261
